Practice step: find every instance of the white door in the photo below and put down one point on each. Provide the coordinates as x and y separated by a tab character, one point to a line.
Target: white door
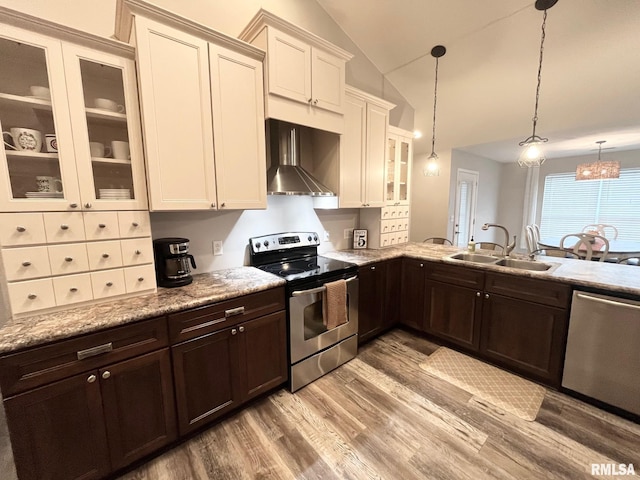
465	207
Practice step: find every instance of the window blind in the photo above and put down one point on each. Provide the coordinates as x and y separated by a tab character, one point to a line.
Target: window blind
569	205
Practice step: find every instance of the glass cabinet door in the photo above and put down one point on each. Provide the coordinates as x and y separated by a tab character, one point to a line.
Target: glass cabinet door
37	156
104	116
392	144
403	171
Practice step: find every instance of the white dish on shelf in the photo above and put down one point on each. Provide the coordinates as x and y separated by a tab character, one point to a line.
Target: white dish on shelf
44	194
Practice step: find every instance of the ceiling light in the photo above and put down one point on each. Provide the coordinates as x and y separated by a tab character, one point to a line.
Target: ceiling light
598	170
533	154
432	166
417	134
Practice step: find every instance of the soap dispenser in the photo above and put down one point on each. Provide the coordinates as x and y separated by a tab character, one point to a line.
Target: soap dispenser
471	246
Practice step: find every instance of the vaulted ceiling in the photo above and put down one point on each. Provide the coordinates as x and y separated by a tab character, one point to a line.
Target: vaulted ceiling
590	88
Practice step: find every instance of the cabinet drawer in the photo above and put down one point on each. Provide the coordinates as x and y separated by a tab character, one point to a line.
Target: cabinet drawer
31	295
203	320
26	263
385	212
70	258
385	226
385	239
101	225
72	289
108	283
139	279
64	227
539	291
41	365
103	255
402	211
463	276
21	229
137	251
134	224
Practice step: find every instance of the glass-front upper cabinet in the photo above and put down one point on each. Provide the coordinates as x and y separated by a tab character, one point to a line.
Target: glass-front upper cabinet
106	124
399	159
37	164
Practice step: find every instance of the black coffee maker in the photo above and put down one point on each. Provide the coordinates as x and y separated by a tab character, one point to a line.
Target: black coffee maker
172	261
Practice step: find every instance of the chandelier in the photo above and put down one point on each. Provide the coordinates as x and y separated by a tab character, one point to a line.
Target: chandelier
533	154
598	170
432	167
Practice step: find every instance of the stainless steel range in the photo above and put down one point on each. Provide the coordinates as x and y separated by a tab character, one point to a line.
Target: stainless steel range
314	347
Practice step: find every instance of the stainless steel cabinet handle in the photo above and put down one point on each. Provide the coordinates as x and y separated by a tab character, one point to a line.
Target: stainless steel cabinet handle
373	268
93	351
234	311
101	225
486	295
422	265
608	302
91	379
68	259
138	252
105	255
32	296
73	205
109	284
73	289
26	264
298	293
21	229
241	329
64	226
233	331
87	205
141	279
135	224
106	374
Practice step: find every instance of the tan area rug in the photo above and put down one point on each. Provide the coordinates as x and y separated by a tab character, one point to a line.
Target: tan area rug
502	389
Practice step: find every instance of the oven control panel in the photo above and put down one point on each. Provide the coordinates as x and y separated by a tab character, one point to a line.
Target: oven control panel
283	241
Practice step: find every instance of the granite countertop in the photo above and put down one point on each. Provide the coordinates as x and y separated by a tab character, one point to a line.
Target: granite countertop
206	288
624	279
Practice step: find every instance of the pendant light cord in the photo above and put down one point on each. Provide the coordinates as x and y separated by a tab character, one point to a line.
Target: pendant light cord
435	101
535	114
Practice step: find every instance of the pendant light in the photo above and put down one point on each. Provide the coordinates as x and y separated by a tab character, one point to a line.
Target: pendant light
533	154
432	166
598	170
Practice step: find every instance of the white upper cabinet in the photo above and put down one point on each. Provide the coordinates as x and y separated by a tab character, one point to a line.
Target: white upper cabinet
362	150
305	74
59	91
203	114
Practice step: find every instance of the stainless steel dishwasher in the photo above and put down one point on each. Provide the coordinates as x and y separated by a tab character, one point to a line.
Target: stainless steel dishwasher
603	350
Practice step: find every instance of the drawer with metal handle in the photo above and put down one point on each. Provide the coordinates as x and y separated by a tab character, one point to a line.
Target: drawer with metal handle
201	321
38	366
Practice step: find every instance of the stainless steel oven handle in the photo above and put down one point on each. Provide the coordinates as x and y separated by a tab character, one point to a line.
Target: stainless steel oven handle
298	293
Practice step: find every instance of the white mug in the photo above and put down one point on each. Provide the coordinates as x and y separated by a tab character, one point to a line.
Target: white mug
49	184
120	150
50	142
24	139
99	150
106	104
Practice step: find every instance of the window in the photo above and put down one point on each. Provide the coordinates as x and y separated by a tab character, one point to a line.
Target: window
568	206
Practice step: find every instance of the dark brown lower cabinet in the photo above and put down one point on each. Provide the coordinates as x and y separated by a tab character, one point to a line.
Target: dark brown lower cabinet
379	293
217	372
412	306
90	424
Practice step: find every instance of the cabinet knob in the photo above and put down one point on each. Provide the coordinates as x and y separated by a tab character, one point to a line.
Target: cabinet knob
32	296
477	294
105	255
64	226
486	295
106	374
373	268
138	252
26	264
310	100
241	329
68	259
21	229
73	205
315	102
135	224
87	205
233	331
101	225
422	265
213	205
91	379
73	289
141	279
109	284
222	205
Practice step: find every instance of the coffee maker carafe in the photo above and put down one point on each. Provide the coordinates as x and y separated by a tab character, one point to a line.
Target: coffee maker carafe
172	261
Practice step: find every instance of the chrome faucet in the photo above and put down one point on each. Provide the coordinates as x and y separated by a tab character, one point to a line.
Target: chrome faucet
508	248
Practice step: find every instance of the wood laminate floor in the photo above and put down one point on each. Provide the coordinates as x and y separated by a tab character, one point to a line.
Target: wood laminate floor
381	416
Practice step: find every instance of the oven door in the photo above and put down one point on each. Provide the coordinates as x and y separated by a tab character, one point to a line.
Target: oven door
308	334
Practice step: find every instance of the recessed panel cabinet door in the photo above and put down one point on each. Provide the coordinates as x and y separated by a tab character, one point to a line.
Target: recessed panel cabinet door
353	146
173	70
377	122
58	432
238	124
289	67
327	80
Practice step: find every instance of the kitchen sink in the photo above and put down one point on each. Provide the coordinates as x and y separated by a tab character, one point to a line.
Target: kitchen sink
523	264
474	257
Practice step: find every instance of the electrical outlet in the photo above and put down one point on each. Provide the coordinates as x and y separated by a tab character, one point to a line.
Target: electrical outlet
326	236
217	247
348	233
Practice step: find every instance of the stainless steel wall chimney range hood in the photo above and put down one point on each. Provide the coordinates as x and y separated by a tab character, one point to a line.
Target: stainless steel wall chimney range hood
286	176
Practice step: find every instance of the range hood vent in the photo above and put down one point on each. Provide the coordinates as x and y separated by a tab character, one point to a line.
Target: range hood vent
286	176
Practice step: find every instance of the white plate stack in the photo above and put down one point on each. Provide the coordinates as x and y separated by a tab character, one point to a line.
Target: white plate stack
44	195
115	194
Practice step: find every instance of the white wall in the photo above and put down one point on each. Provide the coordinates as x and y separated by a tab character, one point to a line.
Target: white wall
234	228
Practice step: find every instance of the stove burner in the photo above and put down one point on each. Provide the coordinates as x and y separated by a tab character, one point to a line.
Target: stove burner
290	271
